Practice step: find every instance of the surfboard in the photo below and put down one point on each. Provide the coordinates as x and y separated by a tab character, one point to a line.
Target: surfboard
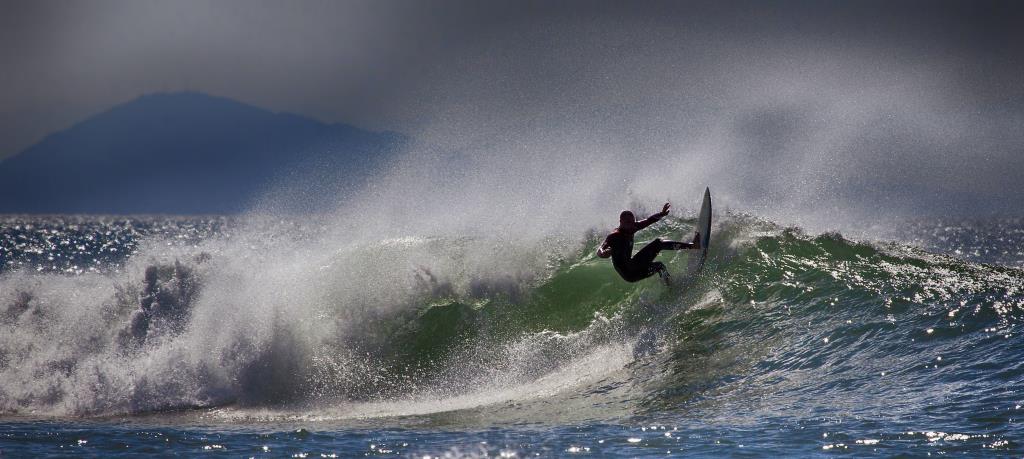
704	228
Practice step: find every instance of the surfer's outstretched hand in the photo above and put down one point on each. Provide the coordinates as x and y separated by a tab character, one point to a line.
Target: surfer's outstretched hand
664	210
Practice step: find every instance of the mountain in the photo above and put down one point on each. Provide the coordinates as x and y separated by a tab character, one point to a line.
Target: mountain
186	153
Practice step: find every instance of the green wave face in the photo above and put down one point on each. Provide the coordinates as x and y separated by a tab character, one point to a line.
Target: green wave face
566	300
772	303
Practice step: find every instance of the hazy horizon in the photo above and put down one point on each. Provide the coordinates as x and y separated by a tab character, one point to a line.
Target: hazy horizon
822	106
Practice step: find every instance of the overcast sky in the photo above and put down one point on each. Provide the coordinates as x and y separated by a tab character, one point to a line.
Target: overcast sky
941	80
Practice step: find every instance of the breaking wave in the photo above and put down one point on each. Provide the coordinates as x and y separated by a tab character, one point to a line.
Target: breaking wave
261	320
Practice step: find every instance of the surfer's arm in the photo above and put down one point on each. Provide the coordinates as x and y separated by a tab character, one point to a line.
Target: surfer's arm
653	218
605	249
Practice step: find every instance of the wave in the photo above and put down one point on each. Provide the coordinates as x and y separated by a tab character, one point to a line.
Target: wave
269	323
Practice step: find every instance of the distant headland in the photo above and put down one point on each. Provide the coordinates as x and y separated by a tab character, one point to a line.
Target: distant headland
184	153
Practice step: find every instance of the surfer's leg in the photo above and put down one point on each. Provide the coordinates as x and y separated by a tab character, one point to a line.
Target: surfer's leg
644	263
638	272
647	254
675	245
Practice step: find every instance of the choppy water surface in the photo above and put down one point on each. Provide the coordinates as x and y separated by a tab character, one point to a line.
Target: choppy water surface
259	338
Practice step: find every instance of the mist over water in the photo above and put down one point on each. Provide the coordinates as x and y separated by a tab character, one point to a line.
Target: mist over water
796	110
831	123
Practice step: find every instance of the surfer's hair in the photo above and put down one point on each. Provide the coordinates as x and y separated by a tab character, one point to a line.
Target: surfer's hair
627	216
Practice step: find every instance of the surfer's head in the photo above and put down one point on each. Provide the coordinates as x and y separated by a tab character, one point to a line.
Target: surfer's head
627	220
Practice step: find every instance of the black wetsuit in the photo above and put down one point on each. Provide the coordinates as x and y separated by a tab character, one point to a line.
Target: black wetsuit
642	265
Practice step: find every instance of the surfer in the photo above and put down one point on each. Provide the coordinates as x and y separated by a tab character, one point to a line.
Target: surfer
619	246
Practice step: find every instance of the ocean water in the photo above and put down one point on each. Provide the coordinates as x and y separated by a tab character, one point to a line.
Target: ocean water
278	337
